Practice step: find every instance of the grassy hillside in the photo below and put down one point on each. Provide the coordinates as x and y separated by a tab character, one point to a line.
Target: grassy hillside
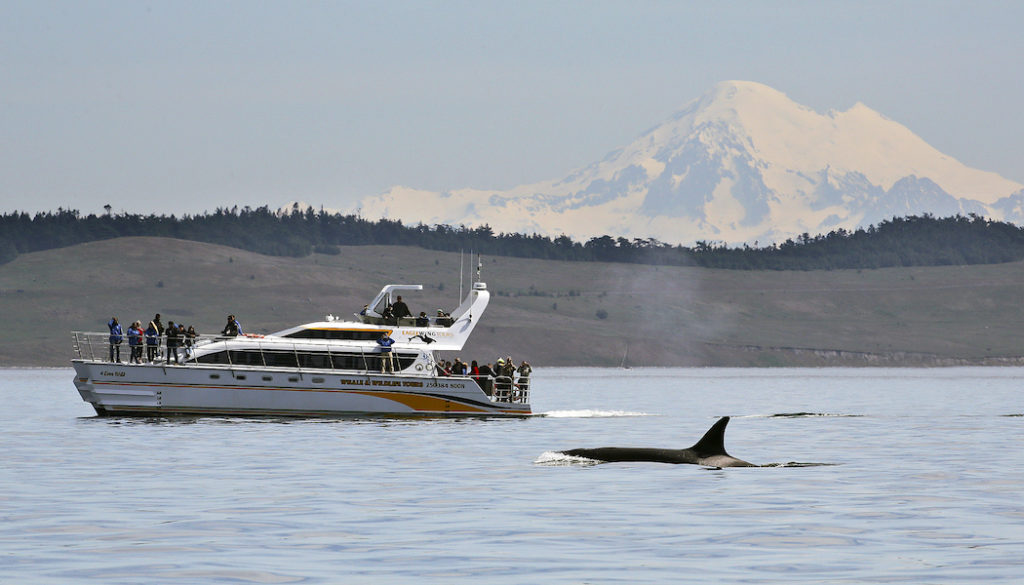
543	311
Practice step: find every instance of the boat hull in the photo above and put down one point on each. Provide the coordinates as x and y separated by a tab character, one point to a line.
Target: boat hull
156	389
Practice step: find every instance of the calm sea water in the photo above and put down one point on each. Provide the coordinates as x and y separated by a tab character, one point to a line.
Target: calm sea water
925	485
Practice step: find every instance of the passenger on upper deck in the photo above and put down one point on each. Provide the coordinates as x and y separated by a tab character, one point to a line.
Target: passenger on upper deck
399	309
233	327
443	319
423	320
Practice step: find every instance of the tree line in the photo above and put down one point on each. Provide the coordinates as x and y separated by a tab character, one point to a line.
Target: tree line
907	241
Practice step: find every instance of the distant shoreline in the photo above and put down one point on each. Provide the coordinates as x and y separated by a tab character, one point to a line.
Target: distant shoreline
551	313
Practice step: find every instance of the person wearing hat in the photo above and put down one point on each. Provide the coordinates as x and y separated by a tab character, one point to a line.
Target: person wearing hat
443	318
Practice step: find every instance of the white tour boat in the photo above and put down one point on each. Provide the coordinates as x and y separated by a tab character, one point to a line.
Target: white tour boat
328	368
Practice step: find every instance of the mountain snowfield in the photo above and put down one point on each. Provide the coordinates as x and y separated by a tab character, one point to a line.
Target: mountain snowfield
741	164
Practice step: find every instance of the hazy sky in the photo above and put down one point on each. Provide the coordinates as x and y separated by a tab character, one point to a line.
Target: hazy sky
174	107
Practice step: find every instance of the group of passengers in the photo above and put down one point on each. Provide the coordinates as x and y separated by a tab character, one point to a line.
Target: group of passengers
394	312
176	335
489	376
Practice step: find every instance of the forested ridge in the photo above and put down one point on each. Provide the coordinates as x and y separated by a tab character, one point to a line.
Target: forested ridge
907	241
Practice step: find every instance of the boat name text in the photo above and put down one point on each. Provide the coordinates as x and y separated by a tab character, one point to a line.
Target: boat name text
405	383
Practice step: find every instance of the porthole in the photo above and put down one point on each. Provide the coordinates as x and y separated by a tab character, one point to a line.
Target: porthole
318	380
215	376
293	378
240	377
267	378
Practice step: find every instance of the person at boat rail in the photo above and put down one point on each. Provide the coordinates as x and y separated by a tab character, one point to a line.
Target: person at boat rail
233	328
485	379
173	341
159	333
190	340
399	309
386	358
422	320
443	319
135	342
152	342
183	339
116	337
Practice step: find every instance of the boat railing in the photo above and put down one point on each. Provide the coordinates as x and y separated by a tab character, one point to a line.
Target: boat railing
95	347
509	389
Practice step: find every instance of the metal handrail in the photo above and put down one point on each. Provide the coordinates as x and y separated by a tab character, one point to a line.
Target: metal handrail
83	348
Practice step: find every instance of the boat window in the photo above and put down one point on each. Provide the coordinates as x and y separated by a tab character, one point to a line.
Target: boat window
305	359
240	377
215	376
267	378
318	380
358	335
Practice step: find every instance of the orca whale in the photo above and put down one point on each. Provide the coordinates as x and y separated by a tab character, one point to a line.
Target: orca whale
709	451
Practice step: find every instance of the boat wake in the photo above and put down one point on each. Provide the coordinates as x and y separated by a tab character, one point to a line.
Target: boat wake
590	413
556	459
802	415
798	464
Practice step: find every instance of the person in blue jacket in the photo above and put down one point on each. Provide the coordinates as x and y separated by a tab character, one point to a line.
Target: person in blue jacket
116	337
135	342
387	360
152	342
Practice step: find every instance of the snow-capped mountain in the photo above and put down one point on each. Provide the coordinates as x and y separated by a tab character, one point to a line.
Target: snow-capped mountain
743	163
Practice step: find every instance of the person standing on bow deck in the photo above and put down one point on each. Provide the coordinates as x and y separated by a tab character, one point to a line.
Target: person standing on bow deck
116	337
386	358
173	341
135	342
152	342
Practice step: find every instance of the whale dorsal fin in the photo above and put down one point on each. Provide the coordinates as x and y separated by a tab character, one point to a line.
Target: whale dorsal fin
713	441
